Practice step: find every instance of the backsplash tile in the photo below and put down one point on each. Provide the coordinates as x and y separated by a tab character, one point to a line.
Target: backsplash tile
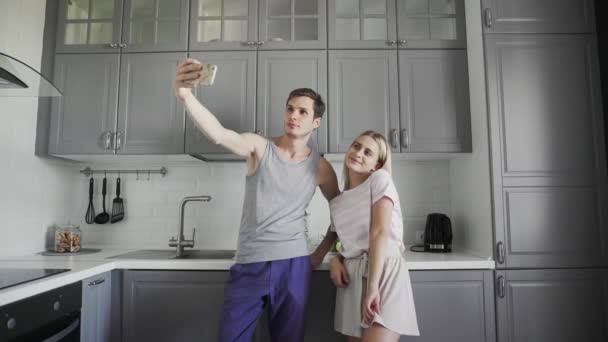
152	206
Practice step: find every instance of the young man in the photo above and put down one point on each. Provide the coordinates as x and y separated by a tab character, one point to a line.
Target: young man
272	262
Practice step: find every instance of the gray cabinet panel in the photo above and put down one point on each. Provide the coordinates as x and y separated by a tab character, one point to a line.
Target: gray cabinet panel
280	72
431	24
361	24
87	109
96	315
453	306
552	305
231	98
150	119
542	104
172	305
153	25
88	26
538	16
552	227
434	101
364	88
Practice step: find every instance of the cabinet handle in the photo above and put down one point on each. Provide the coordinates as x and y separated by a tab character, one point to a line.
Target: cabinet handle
487	15
402	42
96	282
251	43
260	43
118	140
106	140
500	252
122	45
391	42
394	138
500	287
113	45
405	138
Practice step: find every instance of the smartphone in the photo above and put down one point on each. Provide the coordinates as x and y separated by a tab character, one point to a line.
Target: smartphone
207	75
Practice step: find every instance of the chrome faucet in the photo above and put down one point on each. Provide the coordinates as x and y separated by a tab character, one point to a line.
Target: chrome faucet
181	242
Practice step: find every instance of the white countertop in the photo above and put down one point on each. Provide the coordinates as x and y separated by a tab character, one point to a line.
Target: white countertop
88	265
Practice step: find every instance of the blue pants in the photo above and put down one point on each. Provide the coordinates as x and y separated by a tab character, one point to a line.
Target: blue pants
280	284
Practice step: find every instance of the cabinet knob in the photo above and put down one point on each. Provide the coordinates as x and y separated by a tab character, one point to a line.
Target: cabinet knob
405	138
402	42
251	43
113	45
56	306
260	43
391	42
105	140
394	138
119	135
122	45
487	16
11	323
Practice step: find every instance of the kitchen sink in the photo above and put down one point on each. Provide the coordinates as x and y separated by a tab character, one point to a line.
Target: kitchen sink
170	254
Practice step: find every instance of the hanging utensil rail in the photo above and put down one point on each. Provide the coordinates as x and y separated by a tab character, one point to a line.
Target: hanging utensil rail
88	171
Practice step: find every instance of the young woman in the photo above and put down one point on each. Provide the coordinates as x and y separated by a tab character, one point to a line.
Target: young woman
374	300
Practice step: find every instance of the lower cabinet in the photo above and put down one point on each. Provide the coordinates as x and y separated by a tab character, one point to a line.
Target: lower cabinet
455	306
186	306
552	305
96	312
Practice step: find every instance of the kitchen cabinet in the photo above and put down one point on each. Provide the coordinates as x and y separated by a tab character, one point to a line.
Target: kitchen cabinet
390	24
239	107
548	162
96	312
434	101
454	305
538	16
369	86
552	305
109	26
93	117
172	305
253	25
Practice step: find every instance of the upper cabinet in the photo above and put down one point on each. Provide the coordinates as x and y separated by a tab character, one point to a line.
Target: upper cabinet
388	24
89	25
252	25
114	25
539	16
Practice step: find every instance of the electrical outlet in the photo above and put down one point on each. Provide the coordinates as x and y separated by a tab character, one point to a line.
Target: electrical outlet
419	237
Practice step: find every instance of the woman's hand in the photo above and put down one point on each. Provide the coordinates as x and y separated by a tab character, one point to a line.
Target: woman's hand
338	272
187	71
370	305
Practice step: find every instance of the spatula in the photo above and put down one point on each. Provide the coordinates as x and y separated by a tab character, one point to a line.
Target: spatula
103	217
118	209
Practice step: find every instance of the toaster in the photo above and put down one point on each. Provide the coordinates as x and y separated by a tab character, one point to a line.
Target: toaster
438	233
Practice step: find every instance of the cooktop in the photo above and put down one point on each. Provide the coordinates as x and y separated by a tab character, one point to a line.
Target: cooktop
15	276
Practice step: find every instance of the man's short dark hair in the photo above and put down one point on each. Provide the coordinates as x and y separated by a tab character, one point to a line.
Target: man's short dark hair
319	105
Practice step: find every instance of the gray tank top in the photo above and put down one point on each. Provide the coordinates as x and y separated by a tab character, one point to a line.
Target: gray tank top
273	225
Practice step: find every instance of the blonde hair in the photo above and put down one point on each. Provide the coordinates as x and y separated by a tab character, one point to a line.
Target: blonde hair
384	155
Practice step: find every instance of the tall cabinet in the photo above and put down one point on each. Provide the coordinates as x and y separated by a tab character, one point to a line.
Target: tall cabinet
548	170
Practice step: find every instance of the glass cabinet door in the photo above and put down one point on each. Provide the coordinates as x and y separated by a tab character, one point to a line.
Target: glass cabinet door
88	26
155	25
431	24
362	24
292	24
223	25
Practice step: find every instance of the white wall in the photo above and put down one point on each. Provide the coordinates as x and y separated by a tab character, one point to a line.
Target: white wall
36	193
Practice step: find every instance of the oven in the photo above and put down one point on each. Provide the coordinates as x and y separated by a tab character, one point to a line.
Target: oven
51	316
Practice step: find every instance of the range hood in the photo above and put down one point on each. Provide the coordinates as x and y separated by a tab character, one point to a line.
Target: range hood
18	79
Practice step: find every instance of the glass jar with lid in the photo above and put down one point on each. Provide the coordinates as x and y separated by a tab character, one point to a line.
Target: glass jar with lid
68	239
